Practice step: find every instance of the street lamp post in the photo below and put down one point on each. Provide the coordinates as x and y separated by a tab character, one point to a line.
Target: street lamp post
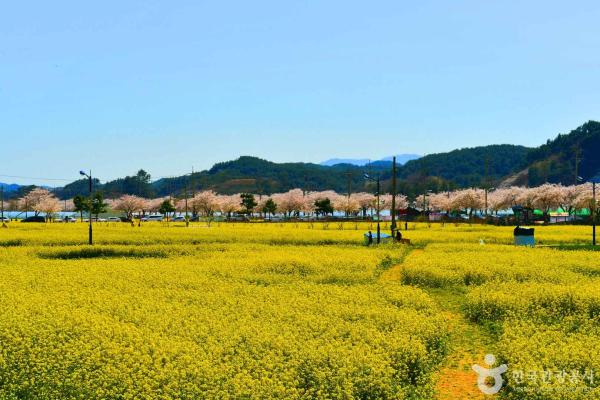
378	180
425	204
89	176
2	205
486	201
594	207
393	197
593	211
487	191
187	218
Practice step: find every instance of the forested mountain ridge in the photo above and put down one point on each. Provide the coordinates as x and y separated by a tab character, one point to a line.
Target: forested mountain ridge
559	160
261	176
567	156
466	167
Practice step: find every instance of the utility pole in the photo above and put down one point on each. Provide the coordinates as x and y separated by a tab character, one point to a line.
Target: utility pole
393	196
349	193
187	219
594	208
2	205
91	202
378	208
378	180
577	161
349	176
406	217
193	184
91	241
486	201
304	190
487	182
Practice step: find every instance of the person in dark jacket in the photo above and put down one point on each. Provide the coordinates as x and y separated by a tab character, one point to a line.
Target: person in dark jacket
398	236
370	237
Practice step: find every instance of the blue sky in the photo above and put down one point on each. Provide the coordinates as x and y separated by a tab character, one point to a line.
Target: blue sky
120	85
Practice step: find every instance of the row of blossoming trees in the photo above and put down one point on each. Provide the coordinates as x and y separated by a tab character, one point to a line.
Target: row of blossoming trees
296	202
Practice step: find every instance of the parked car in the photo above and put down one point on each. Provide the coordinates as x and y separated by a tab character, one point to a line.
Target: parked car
151	218
179	218
94	219
239	218
35	218
65	219
4	219
113	219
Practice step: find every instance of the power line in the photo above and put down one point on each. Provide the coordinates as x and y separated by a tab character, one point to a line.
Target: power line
156	178
41	179
36	178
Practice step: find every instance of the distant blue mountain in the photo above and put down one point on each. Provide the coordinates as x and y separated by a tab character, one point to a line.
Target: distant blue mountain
352	161
12	187
400	159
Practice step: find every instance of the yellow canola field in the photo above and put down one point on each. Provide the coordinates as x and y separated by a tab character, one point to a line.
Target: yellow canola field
282	310
209	313
540	306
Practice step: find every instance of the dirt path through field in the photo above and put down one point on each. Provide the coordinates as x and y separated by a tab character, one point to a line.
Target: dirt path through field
468	346
469	342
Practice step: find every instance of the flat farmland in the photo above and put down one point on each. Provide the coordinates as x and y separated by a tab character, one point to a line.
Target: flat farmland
287	310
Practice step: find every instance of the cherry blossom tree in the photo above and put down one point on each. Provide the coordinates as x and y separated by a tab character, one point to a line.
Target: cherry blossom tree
228	205
32	200
260	203
585	198
180	205
547	197
569	198
441	201
468	199
366	201
386	202
153	205
347	204
206	202
68	205
291	202
526	198
48	205
310	200
129	205
504	198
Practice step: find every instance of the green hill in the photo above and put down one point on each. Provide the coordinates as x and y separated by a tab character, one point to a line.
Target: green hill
567	156
467	167
554	161
459	168
260	176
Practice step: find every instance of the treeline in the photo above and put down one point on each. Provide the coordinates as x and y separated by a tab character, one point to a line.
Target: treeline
139	184
461	168
566	157
560	160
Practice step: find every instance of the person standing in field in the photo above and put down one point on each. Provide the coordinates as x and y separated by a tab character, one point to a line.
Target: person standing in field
398	236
